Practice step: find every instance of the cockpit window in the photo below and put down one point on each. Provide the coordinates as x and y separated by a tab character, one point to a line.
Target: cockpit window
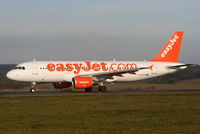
20	67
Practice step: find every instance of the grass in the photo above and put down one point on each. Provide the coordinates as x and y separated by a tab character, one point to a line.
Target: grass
140	113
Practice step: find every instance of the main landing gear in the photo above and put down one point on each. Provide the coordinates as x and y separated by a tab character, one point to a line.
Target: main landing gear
32	89
102	88
88	89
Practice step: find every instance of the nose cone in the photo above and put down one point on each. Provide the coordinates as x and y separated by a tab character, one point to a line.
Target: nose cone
11	75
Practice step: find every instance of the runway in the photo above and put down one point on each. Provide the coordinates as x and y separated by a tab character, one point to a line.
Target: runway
129	91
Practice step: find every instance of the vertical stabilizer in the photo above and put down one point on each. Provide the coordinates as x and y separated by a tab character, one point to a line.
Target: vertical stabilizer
170	52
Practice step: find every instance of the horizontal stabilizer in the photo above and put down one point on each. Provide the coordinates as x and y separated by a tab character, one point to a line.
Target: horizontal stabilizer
178	67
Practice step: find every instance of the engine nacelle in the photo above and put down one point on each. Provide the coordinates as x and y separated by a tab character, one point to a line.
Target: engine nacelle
82	82
61	85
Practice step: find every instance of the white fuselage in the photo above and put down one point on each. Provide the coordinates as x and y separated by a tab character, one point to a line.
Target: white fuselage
65	71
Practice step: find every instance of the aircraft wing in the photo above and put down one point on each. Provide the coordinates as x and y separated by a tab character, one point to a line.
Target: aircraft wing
108	75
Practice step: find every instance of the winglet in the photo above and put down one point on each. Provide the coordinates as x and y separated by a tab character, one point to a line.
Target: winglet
170	52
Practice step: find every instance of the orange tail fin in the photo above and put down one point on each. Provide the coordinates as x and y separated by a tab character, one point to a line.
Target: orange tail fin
170	52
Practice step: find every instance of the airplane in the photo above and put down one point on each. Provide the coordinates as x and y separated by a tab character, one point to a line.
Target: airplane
86	74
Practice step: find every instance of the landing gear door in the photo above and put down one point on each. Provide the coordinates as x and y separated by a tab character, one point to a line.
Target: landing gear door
35	68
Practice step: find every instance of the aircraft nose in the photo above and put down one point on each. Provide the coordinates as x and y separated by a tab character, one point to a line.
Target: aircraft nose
11	75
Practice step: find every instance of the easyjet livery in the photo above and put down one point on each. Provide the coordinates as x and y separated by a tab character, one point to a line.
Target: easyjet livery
86	74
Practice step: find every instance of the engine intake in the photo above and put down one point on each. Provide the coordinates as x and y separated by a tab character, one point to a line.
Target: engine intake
82	82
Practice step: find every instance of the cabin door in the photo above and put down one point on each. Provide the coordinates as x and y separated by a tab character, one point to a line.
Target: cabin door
35	68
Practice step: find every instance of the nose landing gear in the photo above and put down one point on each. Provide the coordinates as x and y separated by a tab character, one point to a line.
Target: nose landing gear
32	89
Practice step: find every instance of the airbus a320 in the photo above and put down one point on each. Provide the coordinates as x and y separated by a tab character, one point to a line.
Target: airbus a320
86	74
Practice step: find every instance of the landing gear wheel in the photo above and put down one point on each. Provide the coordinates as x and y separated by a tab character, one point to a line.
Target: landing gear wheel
32	90
102	89
88	89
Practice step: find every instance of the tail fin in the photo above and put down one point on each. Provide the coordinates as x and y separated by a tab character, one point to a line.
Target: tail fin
170	52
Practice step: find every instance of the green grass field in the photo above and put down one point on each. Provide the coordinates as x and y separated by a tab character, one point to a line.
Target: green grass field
139	113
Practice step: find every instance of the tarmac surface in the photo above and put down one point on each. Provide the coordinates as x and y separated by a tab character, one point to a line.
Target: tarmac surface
131	91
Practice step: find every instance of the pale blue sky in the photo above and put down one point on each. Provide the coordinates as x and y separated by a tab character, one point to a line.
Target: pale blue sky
96	29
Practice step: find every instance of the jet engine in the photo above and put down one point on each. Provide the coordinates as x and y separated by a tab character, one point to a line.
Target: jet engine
82	82
61	85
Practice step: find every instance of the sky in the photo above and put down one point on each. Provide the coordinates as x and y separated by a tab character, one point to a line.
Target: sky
96	29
